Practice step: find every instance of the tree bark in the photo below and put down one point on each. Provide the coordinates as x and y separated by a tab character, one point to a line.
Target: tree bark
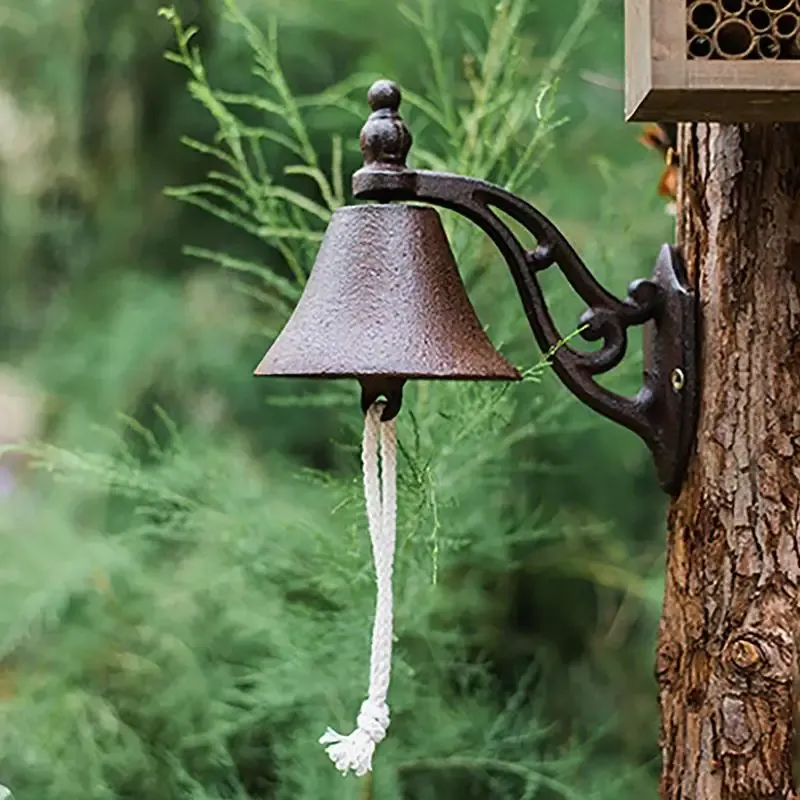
730	631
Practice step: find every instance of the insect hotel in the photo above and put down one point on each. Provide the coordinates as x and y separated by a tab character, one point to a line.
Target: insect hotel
712	60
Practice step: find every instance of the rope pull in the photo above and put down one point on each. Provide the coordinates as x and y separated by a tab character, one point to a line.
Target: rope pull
355	752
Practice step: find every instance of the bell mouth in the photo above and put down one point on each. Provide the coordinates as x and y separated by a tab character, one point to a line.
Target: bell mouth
388	387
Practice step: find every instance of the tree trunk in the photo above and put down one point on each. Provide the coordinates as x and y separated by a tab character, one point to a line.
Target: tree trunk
728	644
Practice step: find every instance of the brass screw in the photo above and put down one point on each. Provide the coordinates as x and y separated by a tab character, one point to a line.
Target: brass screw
678	379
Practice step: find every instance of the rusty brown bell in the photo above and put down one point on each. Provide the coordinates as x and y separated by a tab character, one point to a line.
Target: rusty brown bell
385	303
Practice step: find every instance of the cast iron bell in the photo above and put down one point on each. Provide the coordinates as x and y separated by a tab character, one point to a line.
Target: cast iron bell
385	303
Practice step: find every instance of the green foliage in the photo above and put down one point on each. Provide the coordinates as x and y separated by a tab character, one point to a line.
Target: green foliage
186	581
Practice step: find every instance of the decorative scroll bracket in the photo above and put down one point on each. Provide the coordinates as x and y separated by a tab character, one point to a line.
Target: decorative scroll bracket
664	412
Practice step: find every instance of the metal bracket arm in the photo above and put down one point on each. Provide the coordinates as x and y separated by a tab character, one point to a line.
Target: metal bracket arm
663	412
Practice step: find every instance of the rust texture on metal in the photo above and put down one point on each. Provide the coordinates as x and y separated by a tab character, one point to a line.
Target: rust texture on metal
385	303
664	411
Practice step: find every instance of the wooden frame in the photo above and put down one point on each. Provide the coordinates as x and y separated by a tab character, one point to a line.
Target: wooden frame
663	85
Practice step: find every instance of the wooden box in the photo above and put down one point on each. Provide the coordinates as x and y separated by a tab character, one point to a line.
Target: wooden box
712	60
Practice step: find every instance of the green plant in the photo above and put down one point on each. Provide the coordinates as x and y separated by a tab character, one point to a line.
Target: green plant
193	604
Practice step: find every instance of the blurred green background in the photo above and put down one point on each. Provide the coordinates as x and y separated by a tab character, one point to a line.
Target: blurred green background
185	580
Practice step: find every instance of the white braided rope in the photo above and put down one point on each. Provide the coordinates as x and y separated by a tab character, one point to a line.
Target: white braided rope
354	752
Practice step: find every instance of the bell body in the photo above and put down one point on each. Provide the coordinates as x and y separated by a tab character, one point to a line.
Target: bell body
385	301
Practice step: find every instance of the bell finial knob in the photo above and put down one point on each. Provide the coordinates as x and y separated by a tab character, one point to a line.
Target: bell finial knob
385	139
384	95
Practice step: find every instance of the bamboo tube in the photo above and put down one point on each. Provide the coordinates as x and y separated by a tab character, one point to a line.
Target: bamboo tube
759	20
777	6
794	50
732	7
768	48
700	46
786	25
704	16
733	39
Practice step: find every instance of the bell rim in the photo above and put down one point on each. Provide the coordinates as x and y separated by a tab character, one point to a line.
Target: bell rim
513	377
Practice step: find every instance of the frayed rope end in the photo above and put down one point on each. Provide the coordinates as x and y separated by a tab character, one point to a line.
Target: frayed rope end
354	752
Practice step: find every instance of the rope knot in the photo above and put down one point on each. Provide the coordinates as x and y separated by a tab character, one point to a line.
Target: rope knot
355	752
373	719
